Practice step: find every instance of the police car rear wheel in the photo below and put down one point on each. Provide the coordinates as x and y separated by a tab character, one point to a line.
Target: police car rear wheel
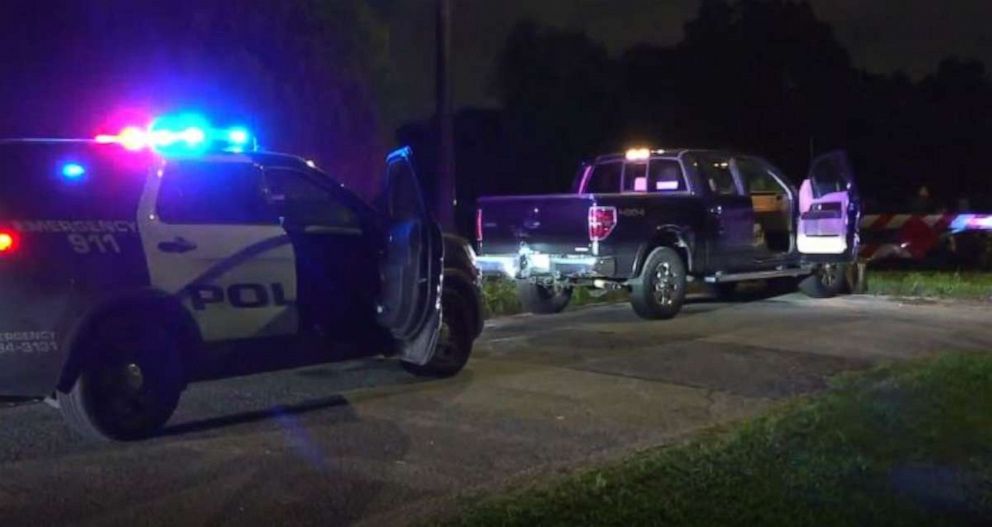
130	385
455	341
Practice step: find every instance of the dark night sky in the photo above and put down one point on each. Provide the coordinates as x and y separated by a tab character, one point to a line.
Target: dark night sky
881	35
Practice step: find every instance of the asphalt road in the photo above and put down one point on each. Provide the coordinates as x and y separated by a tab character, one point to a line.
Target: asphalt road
364	443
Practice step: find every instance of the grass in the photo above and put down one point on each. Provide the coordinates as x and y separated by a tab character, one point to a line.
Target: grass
909	444
955	285
501	297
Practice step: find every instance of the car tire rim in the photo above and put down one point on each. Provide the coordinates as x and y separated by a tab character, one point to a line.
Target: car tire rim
665	285
444	341
450	339
828	275
125	392
130	387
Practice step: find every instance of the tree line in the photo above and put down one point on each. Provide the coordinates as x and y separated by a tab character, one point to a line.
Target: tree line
762	76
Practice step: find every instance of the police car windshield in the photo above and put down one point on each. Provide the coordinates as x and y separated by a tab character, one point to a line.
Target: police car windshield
69	181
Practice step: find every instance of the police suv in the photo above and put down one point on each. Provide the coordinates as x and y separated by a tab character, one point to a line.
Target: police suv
133	264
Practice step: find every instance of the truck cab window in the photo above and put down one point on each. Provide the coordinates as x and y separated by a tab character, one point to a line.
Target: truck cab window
604	179
772	209
635	177
207	193
757	179
827	178
658	176
718	177
295	197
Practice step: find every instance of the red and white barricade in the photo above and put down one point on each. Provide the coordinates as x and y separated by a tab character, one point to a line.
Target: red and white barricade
913	235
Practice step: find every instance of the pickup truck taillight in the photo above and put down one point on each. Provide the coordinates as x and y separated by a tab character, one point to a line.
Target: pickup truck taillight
602	220
8	242
478	225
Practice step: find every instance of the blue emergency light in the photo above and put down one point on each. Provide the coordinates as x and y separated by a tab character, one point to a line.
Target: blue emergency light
73	171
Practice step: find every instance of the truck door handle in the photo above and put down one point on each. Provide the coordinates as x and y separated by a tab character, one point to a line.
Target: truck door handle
716	210
178	245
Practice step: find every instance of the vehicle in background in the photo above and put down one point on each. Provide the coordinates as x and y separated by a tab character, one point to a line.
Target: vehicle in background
133	264
653	220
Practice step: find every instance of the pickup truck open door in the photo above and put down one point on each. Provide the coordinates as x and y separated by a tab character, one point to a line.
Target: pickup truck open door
829	208
412	265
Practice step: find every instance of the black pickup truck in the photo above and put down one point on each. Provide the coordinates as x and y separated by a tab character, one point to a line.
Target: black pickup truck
652	220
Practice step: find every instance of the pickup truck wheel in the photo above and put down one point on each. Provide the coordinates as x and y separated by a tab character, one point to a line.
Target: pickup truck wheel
828	281
130	385
455	341
542	300
660	291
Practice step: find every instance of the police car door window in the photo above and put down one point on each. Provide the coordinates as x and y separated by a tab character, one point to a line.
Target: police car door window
209	193
304	202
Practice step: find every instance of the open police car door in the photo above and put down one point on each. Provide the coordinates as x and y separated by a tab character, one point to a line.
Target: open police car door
829	208
412	266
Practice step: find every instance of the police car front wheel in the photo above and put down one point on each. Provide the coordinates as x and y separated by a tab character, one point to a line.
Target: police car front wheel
455	341
130	384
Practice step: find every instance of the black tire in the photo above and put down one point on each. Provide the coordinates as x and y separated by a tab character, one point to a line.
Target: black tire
660	291
826	282
130	382
542	300
455	342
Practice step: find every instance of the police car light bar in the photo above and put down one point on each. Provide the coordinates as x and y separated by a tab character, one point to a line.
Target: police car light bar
971	222
183	134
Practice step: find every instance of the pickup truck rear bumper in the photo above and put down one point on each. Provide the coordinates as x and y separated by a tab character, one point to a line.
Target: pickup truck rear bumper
533	264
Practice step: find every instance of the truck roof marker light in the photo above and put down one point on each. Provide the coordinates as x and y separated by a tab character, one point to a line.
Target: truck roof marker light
638	154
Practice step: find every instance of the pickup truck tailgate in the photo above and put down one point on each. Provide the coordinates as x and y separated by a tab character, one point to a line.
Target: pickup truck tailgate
553	224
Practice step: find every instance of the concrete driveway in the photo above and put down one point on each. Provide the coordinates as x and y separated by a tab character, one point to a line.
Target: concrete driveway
365	443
